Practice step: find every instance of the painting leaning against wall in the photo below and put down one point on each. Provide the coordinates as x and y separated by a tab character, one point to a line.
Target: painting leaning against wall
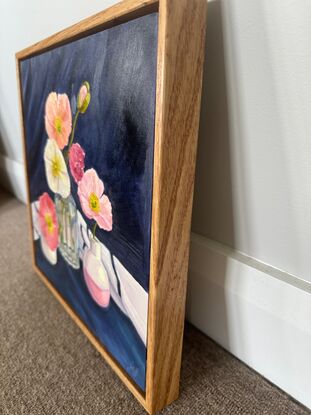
89	113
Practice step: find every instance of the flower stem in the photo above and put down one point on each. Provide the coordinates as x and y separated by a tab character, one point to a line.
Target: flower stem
94	229
73	129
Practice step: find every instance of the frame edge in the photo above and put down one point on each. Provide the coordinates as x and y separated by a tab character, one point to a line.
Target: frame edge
182	26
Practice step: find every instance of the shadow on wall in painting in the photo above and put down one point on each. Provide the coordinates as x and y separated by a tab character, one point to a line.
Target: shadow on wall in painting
213	199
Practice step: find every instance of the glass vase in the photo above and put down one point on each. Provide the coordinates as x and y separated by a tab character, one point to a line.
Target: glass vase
67	217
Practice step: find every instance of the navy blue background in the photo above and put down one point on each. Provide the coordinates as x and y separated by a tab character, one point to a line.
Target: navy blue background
117	134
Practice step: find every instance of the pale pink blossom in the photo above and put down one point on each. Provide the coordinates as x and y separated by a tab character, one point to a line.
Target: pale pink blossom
58	118
95	204
48	221
84	97
76	161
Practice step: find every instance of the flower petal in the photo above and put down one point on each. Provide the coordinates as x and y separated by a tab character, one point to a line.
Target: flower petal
58	184
49	151
97	184
89	213
57	110
76	162
104	217
51	106
64	185
91	185
85	185
49	231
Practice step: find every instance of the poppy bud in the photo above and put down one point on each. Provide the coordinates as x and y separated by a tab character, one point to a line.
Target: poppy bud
84	97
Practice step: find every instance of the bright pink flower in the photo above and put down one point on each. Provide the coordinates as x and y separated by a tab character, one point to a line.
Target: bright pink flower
58	118
48	221
76	161
94	203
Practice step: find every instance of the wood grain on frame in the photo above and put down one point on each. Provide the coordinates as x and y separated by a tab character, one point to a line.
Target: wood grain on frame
179	77
180	66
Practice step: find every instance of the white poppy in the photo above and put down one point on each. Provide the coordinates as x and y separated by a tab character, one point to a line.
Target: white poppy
56	170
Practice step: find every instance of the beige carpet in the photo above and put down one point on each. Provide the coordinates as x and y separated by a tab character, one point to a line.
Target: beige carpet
47	366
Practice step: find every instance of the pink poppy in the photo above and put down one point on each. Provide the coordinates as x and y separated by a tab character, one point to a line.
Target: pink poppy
76	161
48	221
94	203
58	118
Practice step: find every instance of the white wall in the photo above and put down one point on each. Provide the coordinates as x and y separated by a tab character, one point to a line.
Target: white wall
250	272
267	140
253	183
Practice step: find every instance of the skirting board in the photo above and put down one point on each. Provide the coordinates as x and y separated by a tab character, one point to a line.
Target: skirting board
12	177
252	310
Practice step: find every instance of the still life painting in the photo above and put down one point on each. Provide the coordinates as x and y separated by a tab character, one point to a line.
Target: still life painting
89	115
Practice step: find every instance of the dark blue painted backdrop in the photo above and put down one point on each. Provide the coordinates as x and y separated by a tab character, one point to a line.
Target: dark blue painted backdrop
117	134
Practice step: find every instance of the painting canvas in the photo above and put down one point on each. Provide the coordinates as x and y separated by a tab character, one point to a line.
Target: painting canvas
89	120
110	114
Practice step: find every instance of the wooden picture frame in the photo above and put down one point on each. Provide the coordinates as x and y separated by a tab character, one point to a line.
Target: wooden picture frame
180	54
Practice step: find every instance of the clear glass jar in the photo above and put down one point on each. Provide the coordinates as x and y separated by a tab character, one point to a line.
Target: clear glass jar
67	217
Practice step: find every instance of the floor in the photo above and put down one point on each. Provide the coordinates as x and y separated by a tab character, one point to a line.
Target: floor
47	366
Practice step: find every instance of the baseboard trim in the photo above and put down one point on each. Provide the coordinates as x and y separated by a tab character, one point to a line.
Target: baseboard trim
260	314
13	177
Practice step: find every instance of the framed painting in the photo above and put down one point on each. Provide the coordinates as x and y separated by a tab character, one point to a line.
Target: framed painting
110	112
